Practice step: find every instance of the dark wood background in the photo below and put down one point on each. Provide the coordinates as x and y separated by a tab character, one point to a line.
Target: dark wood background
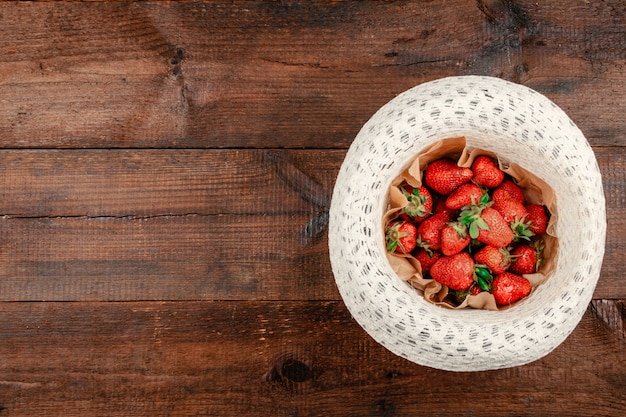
166	172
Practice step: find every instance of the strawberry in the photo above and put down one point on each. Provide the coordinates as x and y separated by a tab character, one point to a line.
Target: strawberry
444	175
497	233
511	210
508	288
487	172
538	218
440	207
486	225
420	203
497	260
508	190
482	282
465	195
401	237
456	271
429	231
427	258
454	238
462	295
475	289
526	258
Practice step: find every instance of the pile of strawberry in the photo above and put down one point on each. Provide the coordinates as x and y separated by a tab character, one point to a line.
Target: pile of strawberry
471	230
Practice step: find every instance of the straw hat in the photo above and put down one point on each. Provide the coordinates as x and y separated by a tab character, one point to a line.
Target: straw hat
519	125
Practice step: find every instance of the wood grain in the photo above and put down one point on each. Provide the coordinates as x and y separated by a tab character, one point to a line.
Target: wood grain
279	359
192	224
289	74
188	257
166	172
148	183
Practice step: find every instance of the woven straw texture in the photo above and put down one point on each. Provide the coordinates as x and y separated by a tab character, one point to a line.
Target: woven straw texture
519	125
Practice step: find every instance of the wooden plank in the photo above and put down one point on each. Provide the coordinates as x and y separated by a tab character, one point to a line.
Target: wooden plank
288	74
188	257
135	225
279	359
117	183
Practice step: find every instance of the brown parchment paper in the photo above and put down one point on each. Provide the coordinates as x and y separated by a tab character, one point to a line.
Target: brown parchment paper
536	191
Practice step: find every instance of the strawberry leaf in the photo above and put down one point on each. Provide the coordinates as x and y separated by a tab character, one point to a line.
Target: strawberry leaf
521	229
473	230
482	275
481	223
416	203
484	284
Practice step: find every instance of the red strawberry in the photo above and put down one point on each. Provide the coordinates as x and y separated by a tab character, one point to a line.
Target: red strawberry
427	258
454	238
475	290
526	259
420	203
497	233
538	218
487	172
429	231
482	282
462	295
508	288
444	175
508	190
401	237
511	210
486	225
440	207
456	272
497	260
465	195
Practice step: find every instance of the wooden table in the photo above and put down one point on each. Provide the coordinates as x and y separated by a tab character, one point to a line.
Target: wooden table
166	176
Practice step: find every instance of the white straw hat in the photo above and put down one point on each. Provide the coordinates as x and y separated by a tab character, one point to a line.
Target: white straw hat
519	125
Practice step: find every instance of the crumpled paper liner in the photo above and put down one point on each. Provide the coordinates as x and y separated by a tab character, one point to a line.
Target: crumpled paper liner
535	189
